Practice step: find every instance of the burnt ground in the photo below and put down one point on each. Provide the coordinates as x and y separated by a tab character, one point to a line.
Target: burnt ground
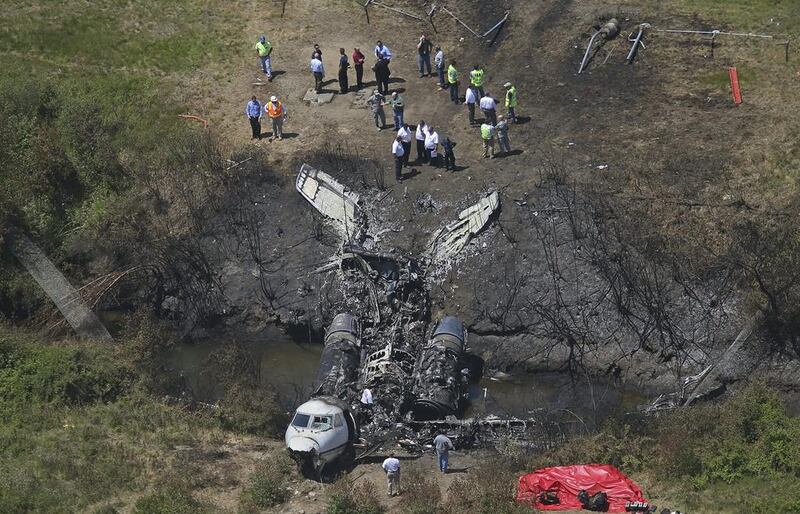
616	204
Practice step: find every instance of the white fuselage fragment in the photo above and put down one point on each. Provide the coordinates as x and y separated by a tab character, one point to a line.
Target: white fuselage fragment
450	240
332	200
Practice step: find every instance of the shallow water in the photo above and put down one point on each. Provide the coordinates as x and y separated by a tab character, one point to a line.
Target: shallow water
290	368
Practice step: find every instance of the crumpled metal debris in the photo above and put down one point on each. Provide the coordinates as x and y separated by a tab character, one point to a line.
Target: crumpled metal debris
451	239
411	375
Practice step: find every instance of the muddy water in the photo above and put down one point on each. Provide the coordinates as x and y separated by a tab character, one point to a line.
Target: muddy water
290	368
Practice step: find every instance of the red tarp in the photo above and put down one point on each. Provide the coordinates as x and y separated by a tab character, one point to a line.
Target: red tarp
567	481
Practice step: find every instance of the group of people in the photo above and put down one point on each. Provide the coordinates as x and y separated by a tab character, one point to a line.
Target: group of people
428	148
391	466
383	57
274	110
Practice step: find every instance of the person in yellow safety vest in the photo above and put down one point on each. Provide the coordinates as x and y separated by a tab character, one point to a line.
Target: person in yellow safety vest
264	49
487	134
277	114
476	79
511	100
452	80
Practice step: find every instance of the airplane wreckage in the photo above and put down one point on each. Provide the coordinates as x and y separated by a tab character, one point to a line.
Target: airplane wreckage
419	372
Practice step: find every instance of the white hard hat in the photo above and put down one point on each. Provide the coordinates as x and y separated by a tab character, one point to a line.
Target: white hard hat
273	99
507	84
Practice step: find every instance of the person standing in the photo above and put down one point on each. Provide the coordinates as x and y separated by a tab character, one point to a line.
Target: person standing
443	446
264	50
487	134
424	56
382	73
382	51
422	131
343	66
476	79
253	112
511	100
470	99
405	137
316	51
438	61
449	155
358	62
376	103
431	146
489	109
397	110
398	152
502	135
277	114
392	468
318	70
452	80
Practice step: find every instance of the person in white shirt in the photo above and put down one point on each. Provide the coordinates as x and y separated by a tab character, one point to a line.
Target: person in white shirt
489	109
392	468
432	145
438	61
319	72
422	131
471	99
398	152
405	137
366	397
382	51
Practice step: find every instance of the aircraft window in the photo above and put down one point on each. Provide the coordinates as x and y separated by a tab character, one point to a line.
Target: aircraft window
301	420
322	423
337	420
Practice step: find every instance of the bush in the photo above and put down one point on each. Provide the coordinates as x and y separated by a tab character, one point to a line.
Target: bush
349	498
421	493
171	500
490	489
268	484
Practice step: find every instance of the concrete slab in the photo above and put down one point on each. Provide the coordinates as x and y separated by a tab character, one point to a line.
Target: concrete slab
313	97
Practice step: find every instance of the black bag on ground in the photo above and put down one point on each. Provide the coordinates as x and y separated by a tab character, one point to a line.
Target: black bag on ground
549	498
597	502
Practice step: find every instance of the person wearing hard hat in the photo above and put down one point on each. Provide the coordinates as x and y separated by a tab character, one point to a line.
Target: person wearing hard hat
277	114
264	50
511	100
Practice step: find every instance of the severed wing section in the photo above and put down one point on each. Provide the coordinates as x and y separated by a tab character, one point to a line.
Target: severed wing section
332	200
450	240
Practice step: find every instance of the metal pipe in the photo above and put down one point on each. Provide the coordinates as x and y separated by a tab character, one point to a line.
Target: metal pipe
608	31
636	42
459	21
496	25
404	13
715	32
586	55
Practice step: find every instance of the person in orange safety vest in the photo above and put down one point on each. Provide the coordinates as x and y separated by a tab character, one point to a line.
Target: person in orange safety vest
277	114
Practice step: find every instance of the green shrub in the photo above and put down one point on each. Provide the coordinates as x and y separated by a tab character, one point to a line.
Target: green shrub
421	493
268	484
171	500
349	498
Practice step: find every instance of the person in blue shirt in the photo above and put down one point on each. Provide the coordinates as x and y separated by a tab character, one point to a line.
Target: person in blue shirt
382	51
253	112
